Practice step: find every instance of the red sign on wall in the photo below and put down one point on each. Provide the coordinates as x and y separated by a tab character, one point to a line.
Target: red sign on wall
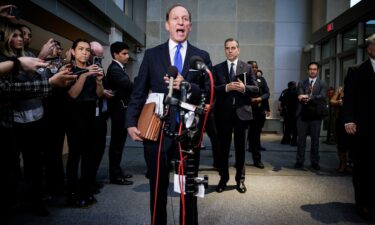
330	27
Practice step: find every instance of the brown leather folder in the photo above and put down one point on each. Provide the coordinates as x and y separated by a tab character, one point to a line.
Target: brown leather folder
149	123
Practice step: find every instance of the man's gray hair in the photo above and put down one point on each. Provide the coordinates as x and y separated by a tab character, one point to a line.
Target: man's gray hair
370	40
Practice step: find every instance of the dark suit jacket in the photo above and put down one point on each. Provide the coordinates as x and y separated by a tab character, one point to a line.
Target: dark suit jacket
150	78
359	96
319	91
119	82
264	94
224	100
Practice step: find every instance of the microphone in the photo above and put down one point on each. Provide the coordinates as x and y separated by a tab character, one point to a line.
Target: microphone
172	74
184	86
197	63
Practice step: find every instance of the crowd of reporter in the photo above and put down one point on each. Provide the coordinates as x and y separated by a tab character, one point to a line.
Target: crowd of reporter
28	85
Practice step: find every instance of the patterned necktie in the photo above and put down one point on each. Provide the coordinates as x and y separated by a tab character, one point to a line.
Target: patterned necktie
231	72
311	87
178	58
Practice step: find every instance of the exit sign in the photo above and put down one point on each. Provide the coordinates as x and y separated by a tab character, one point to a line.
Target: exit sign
330	27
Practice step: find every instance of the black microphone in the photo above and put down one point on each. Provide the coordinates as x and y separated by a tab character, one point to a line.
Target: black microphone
184	86
172	74
197	63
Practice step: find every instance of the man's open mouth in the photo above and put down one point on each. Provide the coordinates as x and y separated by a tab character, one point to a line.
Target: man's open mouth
181	31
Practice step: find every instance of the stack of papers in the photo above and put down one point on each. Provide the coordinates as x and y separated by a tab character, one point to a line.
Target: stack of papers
158	98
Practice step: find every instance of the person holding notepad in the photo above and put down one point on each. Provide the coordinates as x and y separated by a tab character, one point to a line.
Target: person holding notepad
233	111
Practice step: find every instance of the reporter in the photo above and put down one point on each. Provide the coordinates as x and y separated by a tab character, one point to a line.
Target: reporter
12	63
81	110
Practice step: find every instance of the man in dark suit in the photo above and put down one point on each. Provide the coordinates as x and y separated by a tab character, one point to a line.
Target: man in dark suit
232	111
120	84
261	109
288	105
358	115
152	78
310	91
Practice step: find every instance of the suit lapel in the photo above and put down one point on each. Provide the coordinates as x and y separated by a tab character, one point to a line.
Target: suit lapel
368	67
239	68
164	55
189	54
224	68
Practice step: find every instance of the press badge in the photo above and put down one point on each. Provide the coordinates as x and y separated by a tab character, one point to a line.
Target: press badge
97	111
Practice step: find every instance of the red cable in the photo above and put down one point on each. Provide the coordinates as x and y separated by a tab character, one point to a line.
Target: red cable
209	109
157	174
181	174
180	167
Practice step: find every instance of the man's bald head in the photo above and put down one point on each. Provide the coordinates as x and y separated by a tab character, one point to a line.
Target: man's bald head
96	48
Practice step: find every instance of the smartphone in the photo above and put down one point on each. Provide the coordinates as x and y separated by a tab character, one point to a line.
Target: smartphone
97	60
79	72
52	58
13	11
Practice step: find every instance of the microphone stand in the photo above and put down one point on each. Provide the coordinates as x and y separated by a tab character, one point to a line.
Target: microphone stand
192	162
190	137
191	211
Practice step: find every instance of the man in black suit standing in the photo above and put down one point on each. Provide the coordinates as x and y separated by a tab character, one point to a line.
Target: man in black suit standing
358	115
261	109
152	77
311	90
232	111
120	84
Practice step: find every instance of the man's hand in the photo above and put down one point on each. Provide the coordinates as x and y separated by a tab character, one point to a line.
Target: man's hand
62	79
4	11
108	93
350	128
235	86
303	98
256	100
31	64
176	82
134	133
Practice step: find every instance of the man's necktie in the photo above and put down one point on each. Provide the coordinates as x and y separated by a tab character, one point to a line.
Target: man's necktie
311	87
178	58
231	72
177	61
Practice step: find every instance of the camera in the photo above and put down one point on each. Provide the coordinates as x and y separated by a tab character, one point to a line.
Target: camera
13	11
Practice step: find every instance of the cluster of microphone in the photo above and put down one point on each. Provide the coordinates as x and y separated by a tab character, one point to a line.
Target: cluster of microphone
196	63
